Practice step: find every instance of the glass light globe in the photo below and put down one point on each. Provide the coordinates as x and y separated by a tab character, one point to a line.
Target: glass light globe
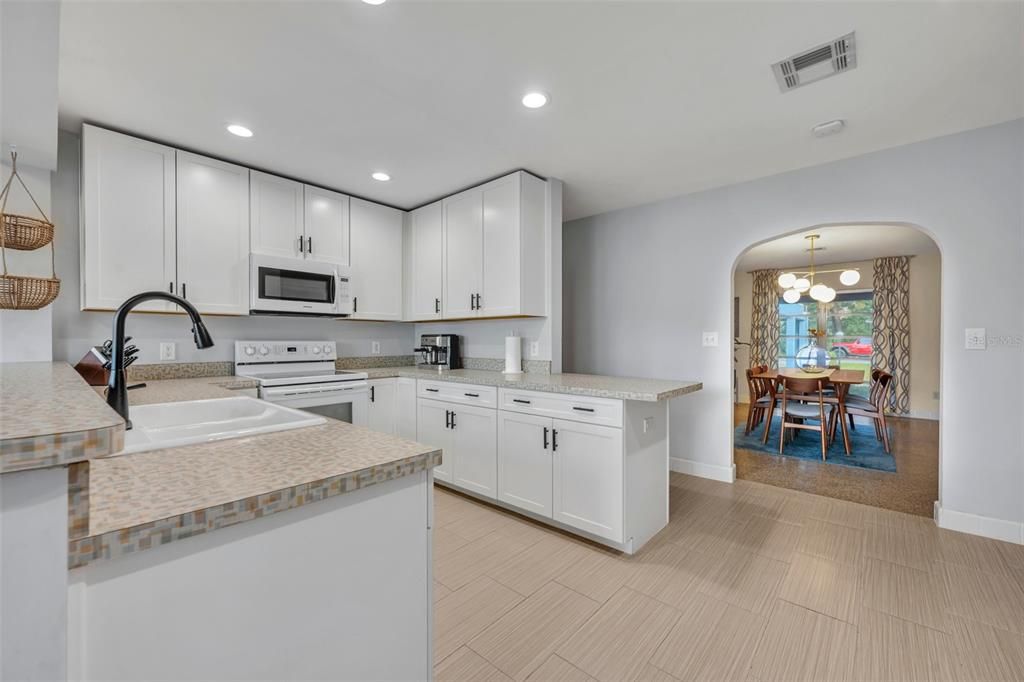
791	296
786	280
849	277
818	292
828	296
802	284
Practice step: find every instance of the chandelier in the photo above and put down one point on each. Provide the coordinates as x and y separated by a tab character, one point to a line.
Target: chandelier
799	282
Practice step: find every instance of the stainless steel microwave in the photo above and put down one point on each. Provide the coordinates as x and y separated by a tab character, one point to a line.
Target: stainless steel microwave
293	286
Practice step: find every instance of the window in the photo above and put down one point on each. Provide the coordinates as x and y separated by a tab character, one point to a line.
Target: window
847	322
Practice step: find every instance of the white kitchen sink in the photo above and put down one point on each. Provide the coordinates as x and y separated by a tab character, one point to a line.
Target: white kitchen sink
168	425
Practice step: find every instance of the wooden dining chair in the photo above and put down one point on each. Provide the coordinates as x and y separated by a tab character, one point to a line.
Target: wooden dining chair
873	408
760	397
810	408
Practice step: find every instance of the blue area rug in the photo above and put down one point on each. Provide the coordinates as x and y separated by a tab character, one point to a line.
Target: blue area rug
865	451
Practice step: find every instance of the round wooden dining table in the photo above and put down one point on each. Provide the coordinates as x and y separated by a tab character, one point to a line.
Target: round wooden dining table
840	379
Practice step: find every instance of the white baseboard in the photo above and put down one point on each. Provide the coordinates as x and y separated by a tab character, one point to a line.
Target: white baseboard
713	471
985	526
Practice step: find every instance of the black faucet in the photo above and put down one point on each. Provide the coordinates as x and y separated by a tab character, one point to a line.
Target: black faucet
117	385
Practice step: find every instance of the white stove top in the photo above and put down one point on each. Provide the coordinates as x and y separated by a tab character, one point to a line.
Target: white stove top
288	363
290	377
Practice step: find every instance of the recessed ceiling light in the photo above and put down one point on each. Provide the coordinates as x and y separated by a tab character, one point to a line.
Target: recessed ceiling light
374	2
534	100
380	175
239	130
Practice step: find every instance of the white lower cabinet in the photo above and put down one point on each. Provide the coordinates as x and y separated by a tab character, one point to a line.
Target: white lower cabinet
432	419
380	415
587	477
524	461
405	408
468	436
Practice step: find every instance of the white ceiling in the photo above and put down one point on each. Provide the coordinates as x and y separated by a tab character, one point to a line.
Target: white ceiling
838	244
649	100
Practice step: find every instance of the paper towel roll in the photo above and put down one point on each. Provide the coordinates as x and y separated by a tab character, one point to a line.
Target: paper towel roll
513	355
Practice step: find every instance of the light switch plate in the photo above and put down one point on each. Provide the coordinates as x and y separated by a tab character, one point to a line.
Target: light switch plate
375	348
710	339
975	338
534	349
167	350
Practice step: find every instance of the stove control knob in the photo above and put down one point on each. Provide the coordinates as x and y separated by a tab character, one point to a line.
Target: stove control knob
264	350
250	350
316	350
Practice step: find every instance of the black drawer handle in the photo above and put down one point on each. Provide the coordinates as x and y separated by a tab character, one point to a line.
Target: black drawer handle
554	439
545	438
583	409
472	395
521	402
431	390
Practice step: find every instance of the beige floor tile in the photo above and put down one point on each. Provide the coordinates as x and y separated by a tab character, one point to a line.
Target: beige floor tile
840	512
539	563
799	644
518	642
466	666
828	587
466	612
618	641
440	591
599	576
1013	554
474	521
447	541
711	533
895	519
987	653
711	640
770	538
985	597
975	552
474	559
671	572
832	541
890	648
557	669
652	674
907	593
745	580
901	546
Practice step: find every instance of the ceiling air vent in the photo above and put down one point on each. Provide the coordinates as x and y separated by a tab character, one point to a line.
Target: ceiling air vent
819	62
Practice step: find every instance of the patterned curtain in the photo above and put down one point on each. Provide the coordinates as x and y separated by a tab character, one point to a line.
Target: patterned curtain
891	324
764	319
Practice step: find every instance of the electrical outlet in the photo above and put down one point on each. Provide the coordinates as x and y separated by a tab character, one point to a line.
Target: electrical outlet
648	422
534	349
167	350
710	339
375	348
975	338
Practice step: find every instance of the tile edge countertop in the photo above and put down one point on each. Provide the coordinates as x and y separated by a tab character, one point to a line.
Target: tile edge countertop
50	417
593	385
125	504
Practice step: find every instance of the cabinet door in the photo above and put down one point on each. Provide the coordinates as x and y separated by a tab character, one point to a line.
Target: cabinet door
499	294
463	240
524	461
276	212
475	434
405	408
376	261
381	411
588	477
432	429
213	234
326	225
427	247
128	223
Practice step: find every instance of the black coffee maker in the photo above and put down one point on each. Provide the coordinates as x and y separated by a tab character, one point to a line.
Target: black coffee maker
440	351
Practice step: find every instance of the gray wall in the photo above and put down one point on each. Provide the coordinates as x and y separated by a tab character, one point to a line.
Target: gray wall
641	284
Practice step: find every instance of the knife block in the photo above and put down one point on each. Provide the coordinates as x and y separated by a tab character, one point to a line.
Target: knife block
91	368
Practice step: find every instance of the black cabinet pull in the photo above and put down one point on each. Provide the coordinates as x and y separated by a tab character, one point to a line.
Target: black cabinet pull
309	245
472	395
477	297
521	402
437	305
184	291
583	409
545	438
554	439
431	390
453	420
373	394
355	304
301	245
472	302
170	287
447	419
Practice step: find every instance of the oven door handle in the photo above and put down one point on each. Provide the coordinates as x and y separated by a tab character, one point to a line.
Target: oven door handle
315	389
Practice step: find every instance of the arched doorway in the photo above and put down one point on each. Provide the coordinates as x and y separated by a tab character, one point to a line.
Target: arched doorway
886	316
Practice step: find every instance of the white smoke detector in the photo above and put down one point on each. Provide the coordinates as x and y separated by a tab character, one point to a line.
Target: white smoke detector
827	59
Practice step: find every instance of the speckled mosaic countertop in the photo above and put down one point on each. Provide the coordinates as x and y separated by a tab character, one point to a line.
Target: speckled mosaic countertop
621	388
123	504
49	417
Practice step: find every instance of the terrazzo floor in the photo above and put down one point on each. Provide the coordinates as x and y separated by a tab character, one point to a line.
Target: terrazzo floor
912	489
747	582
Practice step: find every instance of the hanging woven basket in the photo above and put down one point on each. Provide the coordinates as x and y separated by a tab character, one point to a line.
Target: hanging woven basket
25	233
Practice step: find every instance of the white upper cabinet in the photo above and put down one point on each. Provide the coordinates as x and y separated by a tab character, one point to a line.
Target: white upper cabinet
213	234
376	242
276	206
327	226
494	249
424	267
128	222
